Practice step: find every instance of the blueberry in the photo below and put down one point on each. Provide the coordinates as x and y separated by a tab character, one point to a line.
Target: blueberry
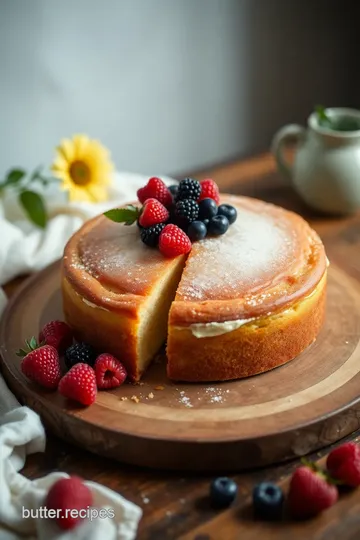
223	492
228	211
218	225
196	231
268	500
207	209
173	189
206	222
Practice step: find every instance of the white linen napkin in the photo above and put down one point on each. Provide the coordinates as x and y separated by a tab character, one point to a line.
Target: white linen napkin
23	249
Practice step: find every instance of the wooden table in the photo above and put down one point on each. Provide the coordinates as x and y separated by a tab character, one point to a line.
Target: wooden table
176	505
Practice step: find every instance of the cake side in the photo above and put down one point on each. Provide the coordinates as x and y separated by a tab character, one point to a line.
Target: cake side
254	347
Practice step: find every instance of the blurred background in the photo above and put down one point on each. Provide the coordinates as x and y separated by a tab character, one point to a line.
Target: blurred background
169	85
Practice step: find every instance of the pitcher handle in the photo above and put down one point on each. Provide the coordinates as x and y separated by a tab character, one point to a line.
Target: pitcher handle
280	139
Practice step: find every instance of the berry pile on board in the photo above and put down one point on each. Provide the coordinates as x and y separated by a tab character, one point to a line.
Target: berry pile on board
76	370
173	217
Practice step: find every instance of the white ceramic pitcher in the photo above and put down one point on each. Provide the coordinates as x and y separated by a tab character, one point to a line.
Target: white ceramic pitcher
326	168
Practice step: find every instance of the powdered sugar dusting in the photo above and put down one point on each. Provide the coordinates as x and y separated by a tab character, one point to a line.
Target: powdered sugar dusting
255	247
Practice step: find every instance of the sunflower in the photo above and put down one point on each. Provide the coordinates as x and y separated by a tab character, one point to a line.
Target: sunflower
85	168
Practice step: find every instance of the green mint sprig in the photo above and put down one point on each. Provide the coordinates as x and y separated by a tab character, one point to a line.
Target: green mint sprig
323	118
31	201
127	215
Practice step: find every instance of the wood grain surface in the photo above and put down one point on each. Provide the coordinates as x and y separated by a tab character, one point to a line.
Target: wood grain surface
176	505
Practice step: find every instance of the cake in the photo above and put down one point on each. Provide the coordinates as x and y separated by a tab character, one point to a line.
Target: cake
236	306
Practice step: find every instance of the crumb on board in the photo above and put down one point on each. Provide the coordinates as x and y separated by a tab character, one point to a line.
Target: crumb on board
123	398
135	399
151	395
159	387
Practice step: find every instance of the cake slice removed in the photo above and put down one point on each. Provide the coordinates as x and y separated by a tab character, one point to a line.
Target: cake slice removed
117	292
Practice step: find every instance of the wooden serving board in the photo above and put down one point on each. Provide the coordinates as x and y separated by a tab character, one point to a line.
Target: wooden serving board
297	408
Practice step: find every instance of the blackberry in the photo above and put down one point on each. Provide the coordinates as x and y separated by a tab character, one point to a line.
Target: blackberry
188	189
80	353
150	235
187	210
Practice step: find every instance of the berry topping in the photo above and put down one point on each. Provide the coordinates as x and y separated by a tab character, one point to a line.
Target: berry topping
153	212
109	372
209	189
223	492
155	189
80	353
188	189
150	235
79	384
228	211
58	334
207	209
343	463
218	225
268	500
187	210
173	241
196	231
310	493
65	495
41	364
174	190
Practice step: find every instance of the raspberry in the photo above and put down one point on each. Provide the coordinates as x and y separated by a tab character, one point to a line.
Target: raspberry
310	493
109	372
188	189
187	210
209	190
41	364
58	334
153	212
79	384
155	189
343	463
80	353
150	235
65	495
173	241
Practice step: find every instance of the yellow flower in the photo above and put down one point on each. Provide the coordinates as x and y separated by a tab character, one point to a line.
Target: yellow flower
85	168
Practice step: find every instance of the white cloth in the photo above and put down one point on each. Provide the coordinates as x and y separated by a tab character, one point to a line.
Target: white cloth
23	249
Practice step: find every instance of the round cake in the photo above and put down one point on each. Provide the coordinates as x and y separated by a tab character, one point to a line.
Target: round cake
237	305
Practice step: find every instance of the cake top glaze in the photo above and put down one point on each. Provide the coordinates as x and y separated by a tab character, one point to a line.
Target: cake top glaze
267	259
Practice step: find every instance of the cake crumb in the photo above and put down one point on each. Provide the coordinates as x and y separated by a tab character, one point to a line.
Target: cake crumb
123	398
146	500
151	395
135	399
159	387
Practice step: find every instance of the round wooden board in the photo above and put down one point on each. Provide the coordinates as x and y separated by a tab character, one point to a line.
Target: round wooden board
294	409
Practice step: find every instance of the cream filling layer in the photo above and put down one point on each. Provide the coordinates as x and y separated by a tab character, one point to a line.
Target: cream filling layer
212	329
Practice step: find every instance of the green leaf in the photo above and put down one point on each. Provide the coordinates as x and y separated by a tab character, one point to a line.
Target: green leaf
128	215
323	118
21	353
34	207
33	343
14	176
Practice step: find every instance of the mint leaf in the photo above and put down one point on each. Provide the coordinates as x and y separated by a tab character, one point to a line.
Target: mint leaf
34	207
128	215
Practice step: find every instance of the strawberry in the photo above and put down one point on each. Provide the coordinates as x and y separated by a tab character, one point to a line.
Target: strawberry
79	384
41	364
155	189
173	241
153	212
67	495
343	463
109	372
58	334
310	493
209	190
